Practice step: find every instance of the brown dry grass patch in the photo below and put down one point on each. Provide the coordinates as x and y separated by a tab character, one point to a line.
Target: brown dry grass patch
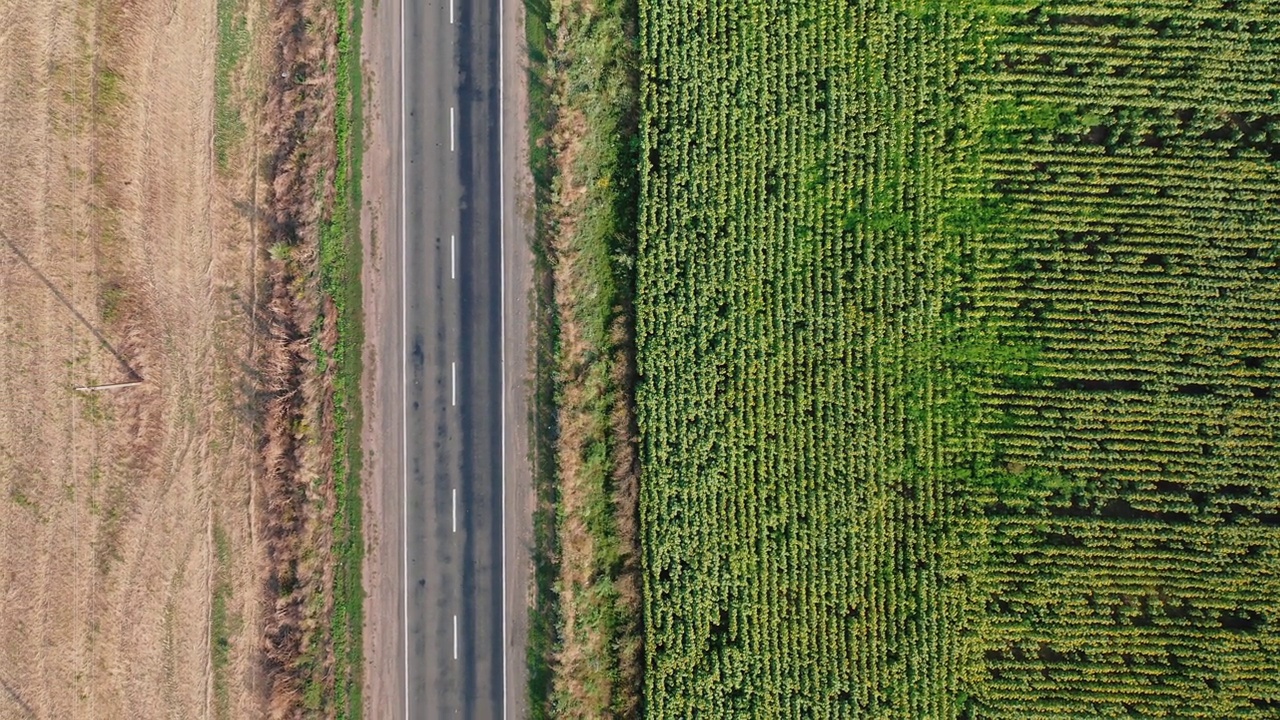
126	255
301	327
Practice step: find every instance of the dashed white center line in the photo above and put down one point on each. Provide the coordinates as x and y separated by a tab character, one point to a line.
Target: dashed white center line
453	370
452	260
455	509
450	12
455	637
450	129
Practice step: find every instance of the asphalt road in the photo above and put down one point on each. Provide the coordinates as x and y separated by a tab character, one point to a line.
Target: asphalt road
452	372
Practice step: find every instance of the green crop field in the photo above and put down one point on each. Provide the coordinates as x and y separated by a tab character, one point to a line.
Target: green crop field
958	333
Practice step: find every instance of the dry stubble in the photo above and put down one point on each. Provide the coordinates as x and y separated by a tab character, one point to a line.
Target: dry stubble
122	253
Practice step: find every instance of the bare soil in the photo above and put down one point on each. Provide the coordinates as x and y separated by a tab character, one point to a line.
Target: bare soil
126	255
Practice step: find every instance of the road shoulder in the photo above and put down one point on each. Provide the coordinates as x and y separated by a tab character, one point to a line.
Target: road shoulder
518	300
383	645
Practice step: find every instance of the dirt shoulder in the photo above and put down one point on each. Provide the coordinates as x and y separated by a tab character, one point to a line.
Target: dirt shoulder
384	529
129	563
519	303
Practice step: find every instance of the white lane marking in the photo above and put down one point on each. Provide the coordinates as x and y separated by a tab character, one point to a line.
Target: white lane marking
404	385
455	637
453	370
455	509
452	260
502	335
451	129
450	12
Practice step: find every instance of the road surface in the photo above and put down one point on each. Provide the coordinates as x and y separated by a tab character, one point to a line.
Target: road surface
455	619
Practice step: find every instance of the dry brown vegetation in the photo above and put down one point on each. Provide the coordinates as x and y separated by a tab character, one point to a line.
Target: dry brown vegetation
126	254
300	328
163	546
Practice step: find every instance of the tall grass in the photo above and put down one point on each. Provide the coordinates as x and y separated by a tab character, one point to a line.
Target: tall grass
544	616
583	655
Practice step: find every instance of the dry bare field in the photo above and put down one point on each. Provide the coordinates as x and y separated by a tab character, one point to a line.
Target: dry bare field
130	578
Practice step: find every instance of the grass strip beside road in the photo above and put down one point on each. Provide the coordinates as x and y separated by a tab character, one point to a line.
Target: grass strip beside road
545	613
584	646
340	257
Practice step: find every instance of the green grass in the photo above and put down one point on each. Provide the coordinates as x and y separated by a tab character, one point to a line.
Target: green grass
340	257
111	94
19	495
93	409
223	624
544	616
111	296
233	43
581	66
537	15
